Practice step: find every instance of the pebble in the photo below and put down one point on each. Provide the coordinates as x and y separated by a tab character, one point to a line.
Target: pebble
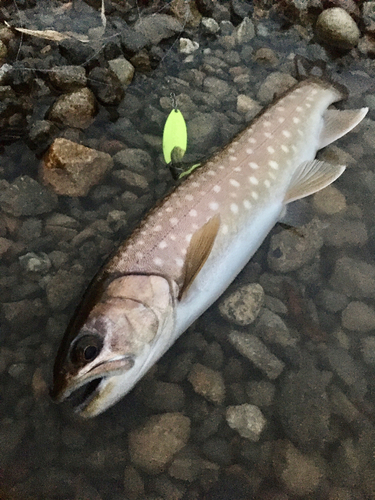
290	250
332	301
72	169
272	329
246	105
306	390
76	109
134	487
209	25
342	232
347	369
358	317
123	69
254	349
266	55
106	85
245	31
243	306
153	445
261	393
299	473
217	450
63	288
216	86
247	420
202	131
187	46
68	78
354	278
368	350
274	85
208	383
337	28
34	263
329	201
26	197
162	396
157	27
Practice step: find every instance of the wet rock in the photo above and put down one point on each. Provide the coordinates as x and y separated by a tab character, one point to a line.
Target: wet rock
61	226
246	105
153	446
5	245
76	109
134	487
217	450
368	350
336	27
209	26
202	131
290	250
216	86
243	306
106	86
273	330
329	201
245	31
41	134
299	473
26	197
266	55
261	393
332	301
157	27
23	312
123	69
63	289
11	435
187	46
274	85
240	9
136	160
162	396
208	383
247	420
68	78
71	169
130	180
343	232
254	349
34	263
354	278
358	317
306	423
125	131
347	369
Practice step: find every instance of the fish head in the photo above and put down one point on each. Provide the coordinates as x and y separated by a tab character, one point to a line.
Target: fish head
108	347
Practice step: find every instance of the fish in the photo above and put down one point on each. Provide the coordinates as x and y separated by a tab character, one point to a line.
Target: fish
190	247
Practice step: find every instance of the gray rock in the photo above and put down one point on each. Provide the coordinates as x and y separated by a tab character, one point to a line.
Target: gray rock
124	131
273	330
254	349
247	105
5	246
336	27
136	160
34	263
26	197
344	232
261	393
133	483
304	407
23	312
11	435
354	278
275	305
358	317
329	201
342	406
347	369
130	180
274	85
332	301
123	69
243	306
217	450
153	446
290	250
208	383
202	131
106	86
245	31
368	350
64	288
30	229
162	396
68	78
247	420
76	109
209	26
157	27
187	46
216	86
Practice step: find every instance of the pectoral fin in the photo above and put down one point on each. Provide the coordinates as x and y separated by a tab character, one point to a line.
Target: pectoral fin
198	251
310	177
338	123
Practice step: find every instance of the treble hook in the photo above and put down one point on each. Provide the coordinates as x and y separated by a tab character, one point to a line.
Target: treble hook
174	100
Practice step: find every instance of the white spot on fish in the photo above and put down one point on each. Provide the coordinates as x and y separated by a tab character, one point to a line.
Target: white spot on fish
267	183
234	183
233	195
273	164
255	195
280	108
213	205
193	213
224	229
299	132
211	172
314	92
179	262
139	255
233	158
246	204
221	167
158	261
294	148
162	245
217	188
237	169
140	242
234	208
308	105
253	165
252	140
281	119
157	228
270	150
172	237
266	124
195	184
169	209
173	221
183	251
286	133
249	151
299	109
195	226
188	237
296	120
285	148
272	175
189	197
267	134
232	150
253	180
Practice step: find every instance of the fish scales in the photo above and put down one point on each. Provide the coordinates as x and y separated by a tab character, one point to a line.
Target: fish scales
194	243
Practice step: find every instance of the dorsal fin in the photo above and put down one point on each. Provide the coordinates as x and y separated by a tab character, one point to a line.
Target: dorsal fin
310	177
338	123
198	251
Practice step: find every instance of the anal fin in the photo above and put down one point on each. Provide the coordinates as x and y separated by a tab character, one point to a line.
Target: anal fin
310	177
338	123
199	249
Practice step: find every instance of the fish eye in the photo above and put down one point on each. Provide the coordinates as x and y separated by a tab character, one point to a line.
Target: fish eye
86	349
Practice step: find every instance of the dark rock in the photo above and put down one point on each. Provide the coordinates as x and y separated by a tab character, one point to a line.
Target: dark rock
205	7
217	450
76	109
240	8
162	396
132	41
68	78
63	289
75	52
157	27
40	134
25	196
125	131
106	86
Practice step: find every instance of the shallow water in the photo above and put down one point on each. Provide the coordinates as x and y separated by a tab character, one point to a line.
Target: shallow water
319	435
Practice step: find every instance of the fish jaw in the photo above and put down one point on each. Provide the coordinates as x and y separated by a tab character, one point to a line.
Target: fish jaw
116	343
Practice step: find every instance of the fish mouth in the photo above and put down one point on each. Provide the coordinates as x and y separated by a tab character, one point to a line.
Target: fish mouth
81	397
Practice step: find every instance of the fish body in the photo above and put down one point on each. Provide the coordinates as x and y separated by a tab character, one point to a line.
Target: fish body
188	249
